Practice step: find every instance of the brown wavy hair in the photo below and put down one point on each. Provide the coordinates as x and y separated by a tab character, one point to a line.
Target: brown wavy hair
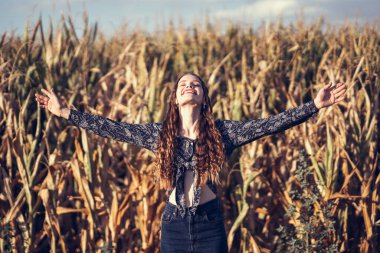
209	149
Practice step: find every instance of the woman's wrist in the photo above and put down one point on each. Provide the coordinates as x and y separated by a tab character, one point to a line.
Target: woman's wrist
316	105
64	113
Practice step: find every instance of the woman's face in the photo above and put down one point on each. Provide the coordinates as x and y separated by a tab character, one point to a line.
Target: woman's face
189	91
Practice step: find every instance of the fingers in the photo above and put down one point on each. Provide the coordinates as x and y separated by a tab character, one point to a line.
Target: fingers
328	86
340	92
47	93
339	96
339	87
41	99
340	99
335	88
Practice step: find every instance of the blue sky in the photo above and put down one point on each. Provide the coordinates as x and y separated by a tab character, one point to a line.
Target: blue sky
152	15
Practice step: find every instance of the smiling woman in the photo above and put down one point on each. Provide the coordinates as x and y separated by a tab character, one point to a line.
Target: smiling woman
190	148
189	99
190	156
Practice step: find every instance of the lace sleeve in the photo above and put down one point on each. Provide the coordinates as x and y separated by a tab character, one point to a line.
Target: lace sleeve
141	135
238	133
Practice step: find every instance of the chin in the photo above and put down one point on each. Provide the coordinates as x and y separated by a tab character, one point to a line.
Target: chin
190	102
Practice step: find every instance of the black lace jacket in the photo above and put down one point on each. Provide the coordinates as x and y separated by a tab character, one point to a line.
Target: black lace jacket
234	134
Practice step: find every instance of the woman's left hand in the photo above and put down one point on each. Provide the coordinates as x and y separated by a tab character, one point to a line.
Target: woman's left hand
330	94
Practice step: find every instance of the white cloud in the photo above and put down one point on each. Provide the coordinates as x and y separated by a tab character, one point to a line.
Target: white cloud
264	9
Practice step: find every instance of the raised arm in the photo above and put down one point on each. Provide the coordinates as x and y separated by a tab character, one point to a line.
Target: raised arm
142	135
237	133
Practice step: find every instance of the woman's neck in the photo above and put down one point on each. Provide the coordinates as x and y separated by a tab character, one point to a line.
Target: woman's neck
189	118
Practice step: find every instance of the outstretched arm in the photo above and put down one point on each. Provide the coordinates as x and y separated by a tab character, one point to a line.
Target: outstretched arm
238	133
142	135
242	132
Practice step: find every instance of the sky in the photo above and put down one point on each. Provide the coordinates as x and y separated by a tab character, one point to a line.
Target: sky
154	15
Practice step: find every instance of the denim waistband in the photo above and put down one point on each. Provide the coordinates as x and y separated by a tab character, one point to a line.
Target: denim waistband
209	206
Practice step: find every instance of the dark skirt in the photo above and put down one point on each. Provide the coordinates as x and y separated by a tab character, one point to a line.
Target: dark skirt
202	232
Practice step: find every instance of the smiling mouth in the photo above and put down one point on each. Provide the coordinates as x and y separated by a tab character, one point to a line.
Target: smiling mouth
191	92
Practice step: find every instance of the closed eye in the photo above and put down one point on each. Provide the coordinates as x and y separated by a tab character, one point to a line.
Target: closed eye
194	84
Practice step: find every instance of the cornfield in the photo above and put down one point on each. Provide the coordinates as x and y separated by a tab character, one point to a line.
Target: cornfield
66	190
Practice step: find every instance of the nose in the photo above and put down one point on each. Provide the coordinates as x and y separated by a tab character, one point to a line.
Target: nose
190	84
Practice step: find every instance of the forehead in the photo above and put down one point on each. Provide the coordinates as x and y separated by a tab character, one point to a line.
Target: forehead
189	77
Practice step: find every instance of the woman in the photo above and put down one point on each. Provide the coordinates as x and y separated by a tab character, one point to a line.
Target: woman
190	149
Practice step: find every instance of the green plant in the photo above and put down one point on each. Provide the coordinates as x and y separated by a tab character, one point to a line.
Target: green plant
313	231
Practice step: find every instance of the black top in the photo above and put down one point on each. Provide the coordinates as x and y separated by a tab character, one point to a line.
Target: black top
234	134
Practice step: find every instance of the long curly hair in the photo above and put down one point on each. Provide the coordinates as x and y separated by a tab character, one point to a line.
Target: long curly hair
209	149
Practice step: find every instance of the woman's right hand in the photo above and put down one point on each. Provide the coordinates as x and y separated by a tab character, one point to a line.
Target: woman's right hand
50	102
